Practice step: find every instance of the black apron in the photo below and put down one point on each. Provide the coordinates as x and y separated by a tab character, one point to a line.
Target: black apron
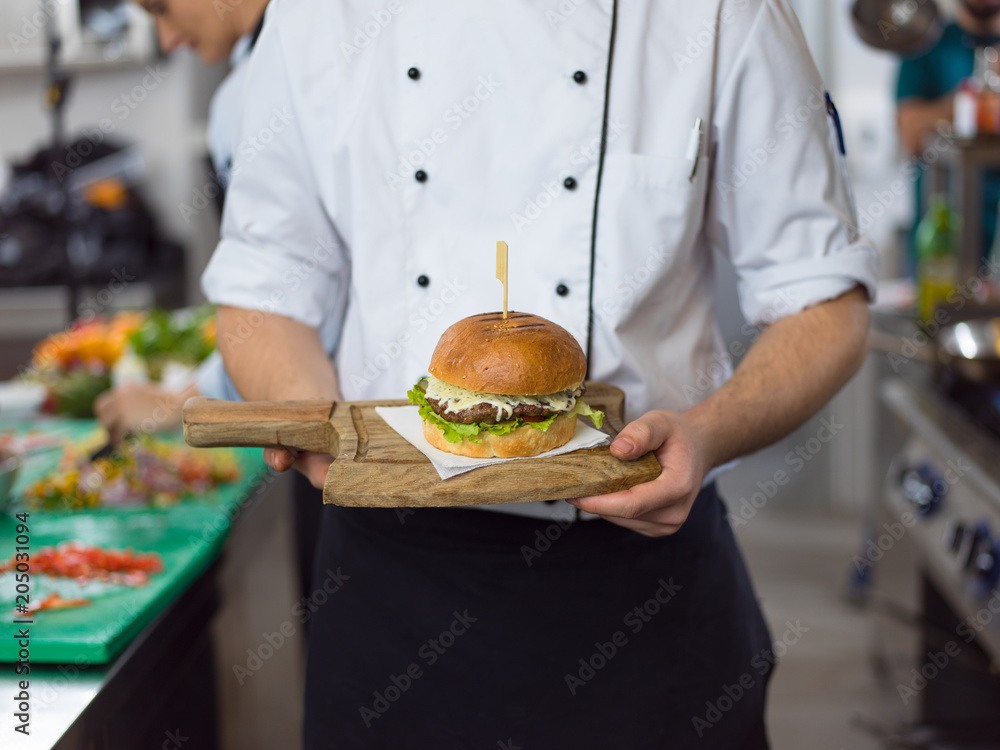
462	629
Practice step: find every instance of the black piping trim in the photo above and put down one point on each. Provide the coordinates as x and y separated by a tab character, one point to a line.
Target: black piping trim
256	32
597	191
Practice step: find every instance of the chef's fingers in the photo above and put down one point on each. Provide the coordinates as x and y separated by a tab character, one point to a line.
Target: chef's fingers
646	528
645	434
105	406
665	495
315	467
671	494
280	459
107	409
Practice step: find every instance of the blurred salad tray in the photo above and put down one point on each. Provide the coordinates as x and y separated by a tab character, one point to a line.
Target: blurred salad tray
106	565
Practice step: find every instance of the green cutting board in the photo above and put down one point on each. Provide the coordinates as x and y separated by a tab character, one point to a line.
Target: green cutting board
187	536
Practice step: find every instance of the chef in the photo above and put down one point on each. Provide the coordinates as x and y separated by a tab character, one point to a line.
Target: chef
613	146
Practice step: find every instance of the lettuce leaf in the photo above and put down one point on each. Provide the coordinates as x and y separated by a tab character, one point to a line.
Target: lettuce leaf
584	410
500	428
543	425
455	432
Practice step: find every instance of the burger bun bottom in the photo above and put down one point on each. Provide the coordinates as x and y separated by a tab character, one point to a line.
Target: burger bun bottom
524	441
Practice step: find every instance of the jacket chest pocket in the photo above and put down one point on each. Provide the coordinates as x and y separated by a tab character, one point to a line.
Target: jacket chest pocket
651	214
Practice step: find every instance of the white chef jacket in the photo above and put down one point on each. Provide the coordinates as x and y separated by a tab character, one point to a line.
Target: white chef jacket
225	113
226	110
370	199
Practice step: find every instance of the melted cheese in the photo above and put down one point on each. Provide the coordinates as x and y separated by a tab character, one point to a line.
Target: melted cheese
455	399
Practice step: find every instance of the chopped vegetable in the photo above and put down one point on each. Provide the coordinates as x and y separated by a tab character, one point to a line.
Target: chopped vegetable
84	563
22	444
91	345
143	470
165	336
75	365
73	394
54	601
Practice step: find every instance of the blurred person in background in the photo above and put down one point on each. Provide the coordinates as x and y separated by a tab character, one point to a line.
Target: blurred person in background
925	93
214	31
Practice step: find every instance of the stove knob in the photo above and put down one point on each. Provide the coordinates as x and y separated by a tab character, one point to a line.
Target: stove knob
923	488
987	565
914	490
980	543
937	484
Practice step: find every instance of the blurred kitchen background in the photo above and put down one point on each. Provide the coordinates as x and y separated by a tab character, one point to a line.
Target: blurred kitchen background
873	532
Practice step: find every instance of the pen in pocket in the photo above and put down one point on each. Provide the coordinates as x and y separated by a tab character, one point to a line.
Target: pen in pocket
694	147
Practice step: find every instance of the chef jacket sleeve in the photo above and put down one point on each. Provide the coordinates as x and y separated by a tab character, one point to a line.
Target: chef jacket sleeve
279	250
780	205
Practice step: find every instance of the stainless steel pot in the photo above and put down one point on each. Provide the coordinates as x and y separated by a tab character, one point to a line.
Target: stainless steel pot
970	349
904	26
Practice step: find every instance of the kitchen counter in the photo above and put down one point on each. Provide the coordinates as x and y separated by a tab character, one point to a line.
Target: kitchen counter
161	683
948	430
928	563
154	681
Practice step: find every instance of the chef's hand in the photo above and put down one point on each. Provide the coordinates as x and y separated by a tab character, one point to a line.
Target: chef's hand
140	408
660	507
314	466
798	363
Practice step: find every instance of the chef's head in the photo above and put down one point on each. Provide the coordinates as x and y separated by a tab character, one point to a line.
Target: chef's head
210	28
981	10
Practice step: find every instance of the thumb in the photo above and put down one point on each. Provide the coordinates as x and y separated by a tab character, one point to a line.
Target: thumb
638	438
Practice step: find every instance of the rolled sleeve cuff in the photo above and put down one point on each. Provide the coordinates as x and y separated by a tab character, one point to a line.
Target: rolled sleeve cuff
782	289
248	277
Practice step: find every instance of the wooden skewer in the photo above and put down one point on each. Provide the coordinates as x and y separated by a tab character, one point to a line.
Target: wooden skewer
502	272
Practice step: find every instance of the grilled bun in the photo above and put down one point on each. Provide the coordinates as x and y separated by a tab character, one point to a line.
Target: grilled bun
523	355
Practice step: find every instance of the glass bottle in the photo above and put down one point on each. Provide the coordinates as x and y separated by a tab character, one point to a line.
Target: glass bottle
937	257
987	87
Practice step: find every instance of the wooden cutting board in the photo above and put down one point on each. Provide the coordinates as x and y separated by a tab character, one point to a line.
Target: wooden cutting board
375	467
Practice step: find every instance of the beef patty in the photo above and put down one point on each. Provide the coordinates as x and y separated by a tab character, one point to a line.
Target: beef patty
487	413
484	413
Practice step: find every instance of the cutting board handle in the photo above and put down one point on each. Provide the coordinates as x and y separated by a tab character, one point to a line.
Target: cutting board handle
302	425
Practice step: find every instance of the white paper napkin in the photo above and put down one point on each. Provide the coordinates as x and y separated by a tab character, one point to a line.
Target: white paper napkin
406	421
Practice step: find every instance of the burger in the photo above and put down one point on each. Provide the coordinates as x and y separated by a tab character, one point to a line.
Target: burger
503	387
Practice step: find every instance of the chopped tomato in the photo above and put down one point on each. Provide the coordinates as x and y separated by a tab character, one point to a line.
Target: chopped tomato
74	560
54	601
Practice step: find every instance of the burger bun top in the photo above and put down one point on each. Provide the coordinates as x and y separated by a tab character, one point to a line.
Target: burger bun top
523	355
